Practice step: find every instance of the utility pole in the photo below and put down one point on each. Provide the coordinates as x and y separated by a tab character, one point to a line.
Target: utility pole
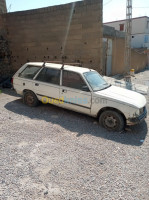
128	31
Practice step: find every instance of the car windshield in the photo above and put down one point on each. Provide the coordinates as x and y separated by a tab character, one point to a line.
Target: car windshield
96	81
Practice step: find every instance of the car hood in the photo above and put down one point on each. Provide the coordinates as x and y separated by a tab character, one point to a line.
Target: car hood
122	95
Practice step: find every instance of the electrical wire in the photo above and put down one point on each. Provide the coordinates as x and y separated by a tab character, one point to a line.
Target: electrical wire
140	7
107	2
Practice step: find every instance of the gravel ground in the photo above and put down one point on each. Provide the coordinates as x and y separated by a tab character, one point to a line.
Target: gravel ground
142	78
51	153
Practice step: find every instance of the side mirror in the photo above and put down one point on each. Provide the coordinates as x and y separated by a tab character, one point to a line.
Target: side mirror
85	88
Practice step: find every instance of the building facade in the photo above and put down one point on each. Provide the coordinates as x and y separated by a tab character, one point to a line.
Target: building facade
140	31
3	8
113	53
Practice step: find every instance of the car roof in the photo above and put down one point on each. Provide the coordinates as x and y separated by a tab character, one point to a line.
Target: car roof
59	66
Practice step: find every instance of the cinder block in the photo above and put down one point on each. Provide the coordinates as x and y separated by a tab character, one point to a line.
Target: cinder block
43	33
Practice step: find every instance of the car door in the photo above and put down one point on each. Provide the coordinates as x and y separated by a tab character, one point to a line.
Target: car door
74	92
47	85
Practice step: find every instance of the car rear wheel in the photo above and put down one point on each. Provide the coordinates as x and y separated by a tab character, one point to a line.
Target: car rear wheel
30	99
112	120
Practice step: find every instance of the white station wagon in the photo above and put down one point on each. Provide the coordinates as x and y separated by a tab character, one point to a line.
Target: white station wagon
81	90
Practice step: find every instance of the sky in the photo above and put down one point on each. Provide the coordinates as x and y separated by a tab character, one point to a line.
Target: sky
112	9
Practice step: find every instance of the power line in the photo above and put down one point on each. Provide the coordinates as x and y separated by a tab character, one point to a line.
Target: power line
107	2
9	8
140	7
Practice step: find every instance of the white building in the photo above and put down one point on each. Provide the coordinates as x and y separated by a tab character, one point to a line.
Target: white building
140	30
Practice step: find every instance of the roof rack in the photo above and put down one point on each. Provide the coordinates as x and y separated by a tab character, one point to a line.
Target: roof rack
75	64
60	62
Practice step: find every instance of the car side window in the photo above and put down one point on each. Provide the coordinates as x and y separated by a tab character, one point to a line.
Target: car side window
29	72
49	75
72	80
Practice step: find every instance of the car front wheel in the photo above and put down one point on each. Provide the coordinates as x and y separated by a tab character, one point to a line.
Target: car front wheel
112	120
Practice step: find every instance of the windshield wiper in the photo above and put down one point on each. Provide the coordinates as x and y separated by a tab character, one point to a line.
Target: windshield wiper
109	85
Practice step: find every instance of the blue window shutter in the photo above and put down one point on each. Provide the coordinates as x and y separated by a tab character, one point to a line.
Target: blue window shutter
146	40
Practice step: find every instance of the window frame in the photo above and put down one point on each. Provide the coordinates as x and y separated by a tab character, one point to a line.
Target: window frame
147	26
19	75
35	78
83	79
146	39
122	27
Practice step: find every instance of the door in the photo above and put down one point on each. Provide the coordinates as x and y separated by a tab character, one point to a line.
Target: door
74	92
47	85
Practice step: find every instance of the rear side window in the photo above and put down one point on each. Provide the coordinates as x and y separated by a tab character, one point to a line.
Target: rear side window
48	75
29	72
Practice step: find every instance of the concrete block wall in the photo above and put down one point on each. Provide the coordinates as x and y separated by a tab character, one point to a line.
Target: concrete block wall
5	57
138	60
73	31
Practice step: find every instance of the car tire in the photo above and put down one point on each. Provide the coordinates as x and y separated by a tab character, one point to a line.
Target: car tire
30	99
112	120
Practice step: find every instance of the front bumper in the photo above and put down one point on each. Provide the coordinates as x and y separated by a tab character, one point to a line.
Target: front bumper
137	120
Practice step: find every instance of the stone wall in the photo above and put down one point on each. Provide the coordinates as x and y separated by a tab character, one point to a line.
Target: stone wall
72	31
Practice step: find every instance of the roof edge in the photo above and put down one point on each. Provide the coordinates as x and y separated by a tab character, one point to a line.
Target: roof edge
125	19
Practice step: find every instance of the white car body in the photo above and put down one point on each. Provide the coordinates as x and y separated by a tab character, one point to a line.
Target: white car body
132	105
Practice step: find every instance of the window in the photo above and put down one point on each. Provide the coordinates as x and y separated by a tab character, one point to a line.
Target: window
29	72
147	25
96	81
72	80
49	75
146	40
121	27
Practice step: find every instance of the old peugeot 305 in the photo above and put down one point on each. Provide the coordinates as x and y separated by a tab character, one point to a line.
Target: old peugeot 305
82	90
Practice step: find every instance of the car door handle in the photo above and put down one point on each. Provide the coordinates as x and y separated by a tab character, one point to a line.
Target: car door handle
36	84
64	91
23	83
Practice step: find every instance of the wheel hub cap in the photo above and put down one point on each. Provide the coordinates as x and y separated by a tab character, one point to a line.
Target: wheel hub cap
30	99
110	121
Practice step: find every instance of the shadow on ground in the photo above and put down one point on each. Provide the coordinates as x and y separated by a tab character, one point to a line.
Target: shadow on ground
10	92
79	123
